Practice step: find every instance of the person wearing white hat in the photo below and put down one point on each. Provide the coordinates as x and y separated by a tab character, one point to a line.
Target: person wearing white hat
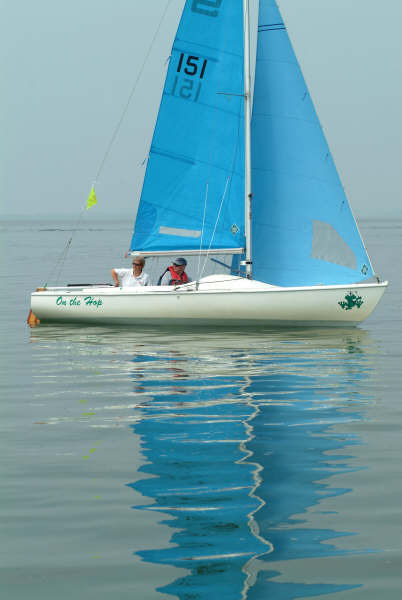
131	277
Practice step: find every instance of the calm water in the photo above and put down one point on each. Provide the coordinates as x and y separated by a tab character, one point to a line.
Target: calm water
139	464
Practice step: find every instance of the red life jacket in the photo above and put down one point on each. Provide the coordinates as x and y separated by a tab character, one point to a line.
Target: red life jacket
177	279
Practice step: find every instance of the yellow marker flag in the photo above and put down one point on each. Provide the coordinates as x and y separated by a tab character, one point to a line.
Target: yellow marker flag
91	198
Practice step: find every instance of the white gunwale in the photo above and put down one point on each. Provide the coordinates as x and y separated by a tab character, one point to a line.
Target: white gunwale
191	287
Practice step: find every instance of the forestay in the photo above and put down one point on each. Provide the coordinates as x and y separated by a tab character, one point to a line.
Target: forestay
303	230
193	191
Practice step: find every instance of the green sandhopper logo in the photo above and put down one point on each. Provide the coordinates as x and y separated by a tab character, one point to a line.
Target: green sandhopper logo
351	300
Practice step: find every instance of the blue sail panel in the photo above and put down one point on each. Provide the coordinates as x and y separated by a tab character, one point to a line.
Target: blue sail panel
193	189
304	232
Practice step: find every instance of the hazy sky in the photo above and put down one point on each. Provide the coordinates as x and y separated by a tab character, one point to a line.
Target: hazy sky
68	69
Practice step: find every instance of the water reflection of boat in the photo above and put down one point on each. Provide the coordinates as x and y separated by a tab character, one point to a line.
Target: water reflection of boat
193	442
238	450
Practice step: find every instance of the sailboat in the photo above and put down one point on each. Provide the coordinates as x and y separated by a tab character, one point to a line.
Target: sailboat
239	181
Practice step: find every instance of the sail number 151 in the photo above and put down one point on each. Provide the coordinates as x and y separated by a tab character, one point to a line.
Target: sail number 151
192	66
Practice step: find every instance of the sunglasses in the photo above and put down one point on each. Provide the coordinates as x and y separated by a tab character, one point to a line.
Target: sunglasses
137	264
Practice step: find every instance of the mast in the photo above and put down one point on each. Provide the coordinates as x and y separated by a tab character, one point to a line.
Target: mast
247	138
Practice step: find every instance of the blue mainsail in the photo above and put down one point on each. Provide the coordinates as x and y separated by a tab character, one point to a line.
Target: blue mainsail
303	230
197	152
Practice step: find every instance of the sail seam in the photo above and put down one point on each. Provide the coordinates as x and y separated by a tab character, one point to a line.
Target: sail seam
177	157
264	28
202	229
290	117
300	176
277	61
204	55
211	106
198	162
193	44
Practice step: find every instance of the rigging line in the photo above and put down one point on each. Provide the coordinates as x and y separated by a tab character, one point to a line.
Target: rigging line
63	255
211	165
202	229
191	284
61	260
216	224
117	128
228	183
212	148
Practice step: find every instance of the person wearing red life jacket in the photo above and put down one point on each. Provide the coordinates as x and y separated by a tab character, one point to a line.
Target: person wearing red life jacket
177	273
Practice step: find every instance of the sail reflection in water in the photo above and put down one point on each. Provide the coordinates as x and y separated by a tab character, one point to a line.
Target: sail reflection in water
194	440
238	455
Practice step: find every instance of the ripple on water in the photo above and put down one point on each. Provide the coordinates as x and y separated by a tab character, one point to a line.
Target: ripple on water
232	462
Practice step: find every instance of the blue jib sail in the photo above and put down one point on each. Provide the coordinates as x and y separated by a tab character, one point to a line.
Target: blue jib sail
303	230
193	189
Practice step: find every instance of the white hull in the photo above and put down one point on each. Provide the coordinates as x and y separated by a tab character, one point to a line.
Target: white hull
219	300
